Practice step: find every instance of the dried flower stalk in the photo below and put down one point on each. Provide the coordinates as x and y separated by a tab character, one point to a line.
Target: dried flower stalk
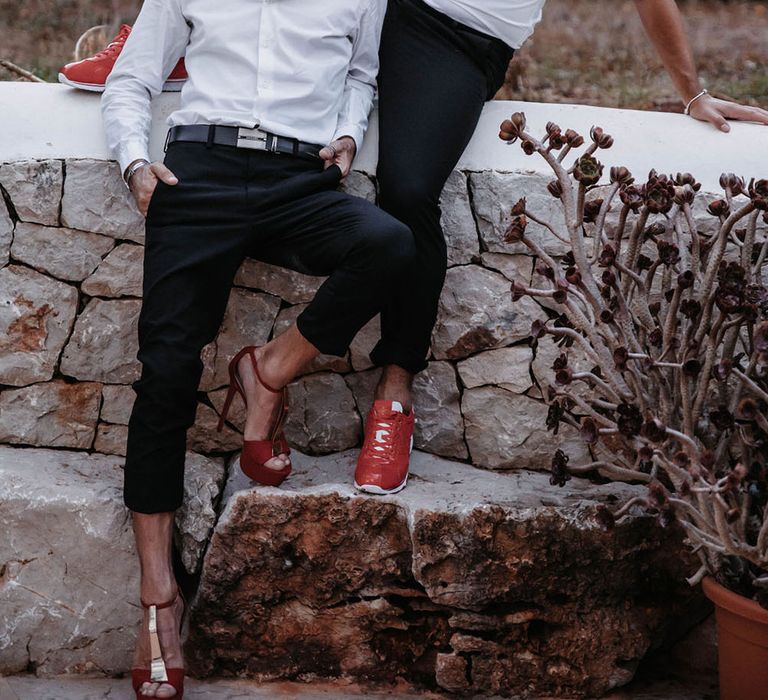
675	323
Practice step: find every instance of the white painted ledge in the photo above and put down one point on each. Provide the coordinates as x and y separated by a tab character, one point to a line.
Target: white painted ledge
56	121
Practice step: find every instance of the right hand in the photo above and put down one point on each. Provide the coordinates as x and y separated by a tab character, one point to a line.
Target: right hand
143	182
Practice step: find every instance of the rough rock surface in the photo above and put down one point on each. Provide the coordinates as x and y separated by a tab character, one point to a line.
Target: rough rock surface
61	252
69	576
34	187
36	315
494	194
6	232
118	275
248	321
203	484
476	313
204	437
322	416
54	414
508	431
117	403
498	575
95	199
509	368
69	583
104	343
358	184
458	222
294	287
363	343
111	439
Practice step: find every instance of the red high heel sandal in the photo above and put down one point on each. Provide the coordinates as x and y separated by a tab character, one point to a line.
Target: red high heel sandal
256	452
158	673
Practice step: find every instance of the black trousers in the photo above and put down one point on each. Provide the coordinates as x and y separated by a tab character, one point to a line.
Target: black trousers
231	203
435	76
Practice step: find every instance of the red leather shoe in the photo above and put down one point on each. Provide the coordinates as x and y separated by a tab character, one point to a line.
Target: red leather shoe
382	466
91	73
256	452
159	673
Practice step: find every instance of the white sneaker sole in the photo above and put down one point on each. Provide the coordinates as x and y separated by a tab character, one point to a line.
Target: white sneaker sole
168	86
377	490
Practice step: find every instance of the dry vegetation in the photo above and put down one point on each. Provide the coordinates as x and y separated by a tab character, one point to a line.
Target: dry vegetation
588	51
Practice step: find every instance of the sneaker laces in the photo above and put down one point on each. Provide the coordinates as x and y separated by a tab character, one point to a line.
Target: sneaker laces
384	438
116	44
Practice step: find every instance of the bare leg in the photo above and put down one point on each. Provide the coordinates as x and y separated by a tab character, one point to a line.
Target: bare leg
396	385
279	362
153	534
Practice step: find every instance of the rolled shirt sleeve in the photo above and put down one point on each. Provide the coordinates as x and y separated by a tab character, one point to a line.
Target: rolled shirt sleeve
156	42
360	85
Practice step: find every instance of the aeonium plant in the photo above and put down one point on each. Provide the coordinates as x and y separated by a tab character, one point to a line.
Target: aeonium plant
662	331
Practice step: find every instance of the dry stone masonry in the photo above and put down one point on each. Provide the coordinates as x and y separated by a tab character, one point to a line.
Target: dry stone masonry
478	578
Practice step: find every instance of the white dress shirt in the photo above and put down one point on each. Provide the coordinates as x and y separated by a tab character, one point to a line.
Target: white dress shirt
512	21
299	68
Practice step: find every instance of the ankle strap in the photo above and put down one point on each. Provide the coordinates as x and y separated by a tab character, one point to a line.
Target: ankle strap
258	374
166	604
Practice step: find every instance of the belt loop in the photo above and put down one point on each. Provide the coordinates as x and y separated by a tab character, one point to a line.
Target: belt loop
211	134
295	147
167	137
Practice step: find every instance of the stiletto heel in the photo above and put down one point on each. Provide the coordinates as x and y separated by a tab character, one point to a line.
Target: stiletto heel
257	452
158	672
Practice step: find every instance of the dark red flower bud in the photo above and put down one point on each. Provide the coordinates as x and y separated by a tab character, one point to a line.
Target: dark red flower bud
621	175
573	138
607	256
555	189
519	208
588	170
719	207
654	430
592	210
516	229
560	474
512	128
529	147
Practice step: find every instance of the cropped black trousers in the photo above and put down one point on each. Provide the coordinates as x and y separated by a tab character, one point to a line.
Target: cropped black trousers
435	76
231	203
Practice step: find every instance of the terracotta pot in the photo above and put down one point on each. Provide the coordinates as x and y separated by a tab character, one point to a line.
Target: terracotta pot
742	641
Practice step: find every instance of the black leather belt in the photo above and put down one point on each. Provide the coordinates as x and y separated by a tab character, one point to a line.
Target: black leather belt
242	137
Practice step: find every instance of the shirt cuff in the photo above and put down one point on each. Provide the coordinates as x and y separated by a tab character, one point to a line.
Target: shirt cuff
128	152
355	131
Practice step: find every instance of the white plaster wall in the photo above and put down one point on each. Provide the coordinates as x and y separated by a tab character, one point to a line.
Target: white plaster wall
56	121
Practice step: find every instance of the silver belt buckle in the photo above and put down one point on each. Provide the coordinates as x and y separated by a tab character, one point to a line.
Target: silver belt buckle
253	138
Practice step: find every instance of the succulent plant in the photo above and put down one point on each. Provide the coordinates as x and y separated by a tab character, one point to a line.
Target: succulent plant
673	322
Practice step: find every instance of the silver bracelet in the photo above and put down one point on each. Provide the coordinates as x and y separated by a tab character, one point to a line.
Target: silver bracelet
687	110
139	164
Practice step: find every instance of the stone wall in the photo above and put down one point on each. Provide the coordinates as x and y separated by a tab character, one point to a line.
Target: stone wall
71	286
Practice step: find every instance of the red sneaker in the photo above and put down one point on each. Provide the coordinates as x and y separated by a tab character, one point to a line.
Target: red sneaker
91	73
382	466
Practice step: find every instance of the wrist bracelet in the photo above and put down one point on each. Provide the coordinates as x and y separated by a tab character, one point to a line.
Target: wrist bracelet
687	109
139	164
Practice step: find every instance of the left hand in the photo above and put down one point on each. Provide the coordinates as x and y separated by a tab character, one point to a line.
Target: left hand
717	112
340	152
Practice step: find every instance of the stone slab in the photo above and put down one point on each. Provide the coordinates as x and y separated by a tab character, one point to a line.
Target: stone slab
503	569
36	316
34	187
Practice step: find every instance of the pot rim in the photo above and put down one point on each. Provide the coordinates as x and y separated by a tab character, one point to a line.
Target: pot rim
733	602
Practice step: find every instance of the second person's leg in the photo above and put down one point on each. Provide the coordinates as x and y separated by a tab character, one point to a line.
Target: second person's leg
433	83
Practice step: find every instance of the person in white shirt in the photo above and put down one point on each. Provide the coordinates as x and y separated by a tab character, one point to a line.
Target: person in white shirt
441	60
275	106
